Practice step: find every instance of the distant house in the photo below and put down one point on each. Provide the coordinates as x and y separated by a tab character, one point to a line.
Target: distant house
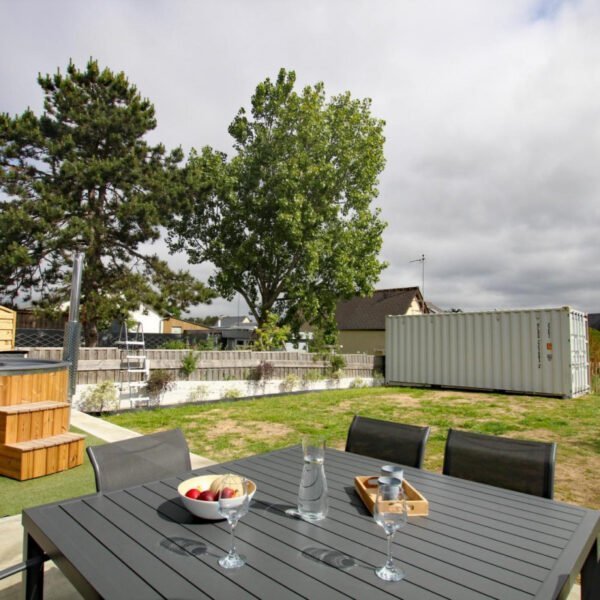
434	309
236	332
594	320
149	319
242	322
361	321
173	325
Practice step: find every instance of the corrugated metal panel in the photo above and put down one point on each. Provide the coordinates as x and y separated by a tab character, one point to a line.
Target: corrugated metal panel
542	351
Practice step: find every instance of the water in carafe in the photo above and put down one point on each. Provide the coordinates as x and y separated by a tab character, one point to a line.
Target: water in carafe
313	503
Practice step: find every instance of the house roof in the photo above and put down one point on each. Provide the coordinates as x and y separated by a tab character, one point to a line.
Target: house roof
370	312
434	308
175	321
594	320
239	322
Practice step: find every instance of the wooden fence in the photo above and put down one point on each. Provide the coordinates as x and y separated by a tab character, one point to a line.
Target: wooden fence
595	368
105	364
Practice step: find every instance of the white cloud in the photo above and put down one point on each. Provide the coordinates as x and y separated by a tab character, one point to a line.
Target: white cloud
493	121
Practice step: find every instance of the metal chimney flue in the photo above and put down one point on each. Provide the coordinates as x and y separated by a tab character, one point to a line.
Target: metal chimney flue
73	326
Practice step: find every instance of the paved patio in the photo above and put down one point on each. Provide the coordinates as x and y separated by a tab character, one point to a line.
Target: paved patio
56	586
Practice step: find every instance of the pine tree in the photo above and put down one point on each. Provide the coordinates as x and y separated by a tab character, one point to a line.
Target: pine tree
82	177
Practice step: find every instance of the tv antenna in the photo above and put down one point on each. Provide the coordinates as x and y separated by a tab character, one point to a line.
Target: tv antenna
422	261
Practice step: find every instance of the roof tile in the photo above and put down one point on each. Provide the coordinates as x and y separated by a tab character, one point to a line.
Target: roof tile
370	312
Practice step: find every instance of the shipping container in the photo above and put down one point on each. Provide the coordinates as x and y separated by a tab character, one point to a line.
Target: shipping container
542	351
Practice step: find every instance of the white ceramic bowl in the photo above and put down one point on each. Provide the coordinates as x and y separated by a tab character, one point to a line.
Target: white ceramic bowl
202	508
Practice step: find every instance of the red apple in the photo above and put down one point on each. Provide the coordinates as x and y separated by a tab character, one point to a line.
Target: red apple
227	493
207	496
193	493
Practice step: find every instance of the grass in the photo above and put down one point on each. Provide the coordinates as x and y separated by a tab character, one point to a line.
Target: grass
17	495
228	430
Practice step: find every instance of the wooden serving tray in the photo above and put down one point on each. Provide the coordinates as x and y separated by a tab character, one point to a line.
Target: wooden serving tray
416	503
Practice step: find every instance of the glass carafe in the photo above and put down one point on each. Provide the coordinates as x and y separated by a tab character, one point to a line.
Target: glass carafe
313	503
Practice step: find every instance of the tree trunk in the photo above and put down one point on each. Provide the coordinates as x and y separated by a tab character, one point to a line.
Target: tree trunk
90	334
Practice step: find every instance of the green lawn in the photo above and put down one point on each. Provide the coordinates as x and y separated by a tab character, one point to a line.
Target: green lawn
17	495
227	430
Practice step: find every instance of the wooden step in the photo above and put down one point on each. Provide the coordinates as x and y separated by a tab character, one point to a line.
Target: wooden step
33	421
26	460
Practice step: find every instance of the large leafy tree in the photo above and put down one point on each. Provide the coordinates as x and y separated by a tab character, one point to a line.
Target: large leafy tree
288	222
82	177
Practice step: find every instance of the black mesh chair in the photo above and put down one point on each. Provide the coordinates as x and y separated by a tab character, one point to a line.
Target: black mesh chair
139	460
520	465
393	442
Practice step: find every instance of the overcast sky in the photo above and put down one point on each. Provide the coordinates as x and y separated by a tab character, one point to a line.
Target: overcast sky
492	112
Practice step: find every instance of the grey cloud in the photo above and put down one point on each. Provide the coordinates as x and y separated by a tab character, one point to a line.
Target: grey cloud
493	122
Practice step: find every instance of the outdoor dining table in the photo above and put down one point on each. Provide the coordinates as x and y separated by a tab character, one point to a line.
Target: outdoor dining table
477	541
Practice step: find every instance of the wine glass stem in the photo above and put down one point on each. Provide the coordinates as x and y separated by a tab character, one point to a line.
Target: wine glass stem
232	549
390	561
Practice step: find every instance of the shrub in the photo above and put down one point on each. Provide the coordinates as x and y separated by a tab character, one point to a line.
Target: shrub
358	382
312	375
289	382
159	382
231	394
175	345
263	371
101	397
335	375
323	341
189	363
271	335
206	345
337	363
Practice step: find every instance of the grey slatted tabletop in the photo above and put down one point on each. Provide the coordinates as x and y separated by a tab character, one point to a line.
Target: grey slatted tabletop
478	542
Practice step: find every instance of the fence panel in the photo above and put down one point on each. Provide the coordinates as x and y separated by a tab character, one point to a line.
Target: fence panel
96	365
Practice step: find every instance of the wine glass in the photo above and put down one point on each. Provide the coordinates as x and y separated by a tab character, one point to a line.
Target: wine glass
234	501
390	512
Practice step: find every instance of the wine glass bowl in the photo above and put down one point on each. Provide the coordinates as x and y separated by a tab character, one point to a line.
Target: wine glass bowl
390	513
233	503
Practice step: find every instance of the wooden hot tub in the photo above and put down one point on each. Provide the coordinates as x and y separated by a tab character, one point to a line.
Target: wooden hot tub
24	380
34	418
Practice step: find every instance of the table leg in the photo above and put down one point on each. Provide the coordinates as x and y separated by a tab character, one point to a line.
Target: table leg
33	584
590	575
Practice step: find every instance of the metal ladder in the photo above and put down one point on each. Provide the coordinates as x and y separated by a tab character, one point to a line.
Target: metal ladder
135	366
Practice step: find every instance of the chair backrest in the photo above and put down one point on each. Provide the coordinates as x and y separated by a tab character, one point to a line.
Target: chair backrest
394	442
520	465
139	460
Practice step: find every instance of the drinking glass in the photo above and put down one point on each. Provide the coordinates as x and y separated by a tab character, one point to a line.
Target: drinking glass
390	512
392	471
233	505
